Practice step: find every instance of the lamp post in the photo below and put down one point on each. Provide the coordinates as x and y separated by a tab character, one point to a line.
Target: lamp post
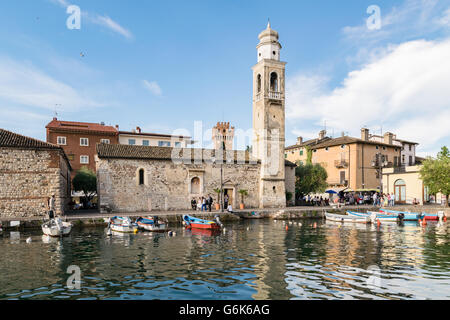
214	160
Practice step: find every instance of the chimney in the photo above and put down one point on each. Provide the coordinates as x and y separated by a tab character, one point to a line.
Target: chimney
138	130
299	140
322	134
102	123
342	134
117	127
365	134
55	118
388	138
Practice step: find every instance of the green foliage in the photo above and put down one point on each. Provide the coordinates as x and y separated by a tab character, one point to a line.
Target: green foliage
288	196
310	178
243	193
435	173
218	194
308	155
85	181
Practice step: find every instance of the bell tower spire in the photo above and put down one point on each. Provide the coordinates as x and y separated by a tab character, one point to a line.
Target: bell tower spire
269	119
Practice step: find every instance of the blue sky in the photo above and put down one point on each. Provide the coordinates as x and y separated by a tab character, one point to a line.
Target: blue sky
162	65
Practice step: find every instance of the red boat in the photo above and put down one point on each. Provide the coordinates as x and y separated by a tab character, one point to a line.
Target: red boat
192	222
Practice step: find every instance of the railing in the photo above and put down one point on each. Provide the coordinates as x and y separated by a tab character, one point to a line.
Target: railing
341	163
275	95
401	169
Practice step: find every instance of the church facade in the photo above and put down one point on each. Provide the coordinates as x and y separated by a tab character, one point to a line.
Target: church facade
143	178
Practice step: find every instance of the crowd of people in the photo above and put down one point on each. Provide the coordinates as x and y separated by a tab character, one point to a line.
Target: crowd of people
205	203
351	198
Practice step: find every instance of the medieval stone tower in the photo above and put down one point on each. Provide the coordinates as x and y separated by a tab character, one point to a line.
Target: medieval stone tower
269	119
222	136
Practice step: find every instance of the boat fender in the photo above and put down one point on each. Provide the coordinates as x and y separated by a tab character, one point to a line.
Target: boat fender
424	221
287	228
378	222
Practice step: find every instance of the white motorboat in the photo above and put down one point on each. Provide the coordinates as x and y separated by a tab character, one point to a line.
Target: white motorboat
153	224
56	228
347	218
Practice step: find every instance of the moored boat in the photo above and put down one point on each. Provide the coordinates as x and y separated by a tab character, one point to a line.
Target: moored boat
122	224
347	218
193	222
56	228
423	215
374	216
154	224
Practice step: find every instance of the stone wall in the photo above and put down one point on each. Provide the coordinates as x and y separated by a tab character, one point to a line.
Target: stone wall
290	183
169	186
28	177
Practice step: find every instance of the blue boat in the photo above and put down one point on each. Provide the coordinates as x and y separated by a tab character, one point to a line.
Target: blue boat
193	222
154	224
423	215
407	216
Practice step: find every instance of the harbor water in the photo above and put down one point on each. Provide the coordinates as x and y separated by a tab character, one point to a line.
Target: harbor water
250	259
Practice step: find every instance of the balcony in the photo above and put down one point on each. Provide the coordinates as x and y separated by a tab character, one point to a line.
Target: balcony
338	183
275	95
341	163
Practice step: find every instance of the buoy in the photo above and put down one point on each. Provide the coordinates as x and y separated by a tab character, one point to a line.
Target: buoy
378	222
29	240
424	222
287	228
315	225
445	218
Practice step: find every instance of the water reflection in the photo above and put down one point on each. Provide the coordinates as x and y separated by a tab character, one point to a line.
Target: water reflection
250	260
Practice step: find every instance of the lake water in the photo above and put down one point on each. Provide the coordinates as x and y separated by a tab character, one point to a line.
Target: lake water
256	259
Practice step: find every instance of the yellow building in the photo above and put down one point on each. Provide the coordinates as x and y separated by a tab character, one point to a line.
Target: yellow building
351	163
406	185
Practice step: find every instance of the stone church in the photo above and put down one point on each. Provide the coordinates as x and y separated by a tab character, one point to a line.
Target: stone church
141	178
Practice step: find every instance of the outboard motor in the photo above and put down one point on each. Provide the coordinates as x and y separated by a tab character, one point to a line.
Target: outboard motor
218	221
400	218
373	217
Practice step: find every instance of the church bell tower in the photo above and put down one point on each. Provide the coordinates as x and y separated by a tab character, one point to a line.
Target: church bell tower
269	119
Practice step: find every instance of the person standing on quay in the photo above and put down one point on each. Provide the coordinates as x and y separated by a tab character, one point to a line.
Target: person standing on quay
51	204
210	202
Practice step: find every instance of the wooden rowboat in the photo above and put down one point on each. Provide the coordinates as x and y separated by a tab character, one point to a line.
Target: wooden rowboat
123	224
153	224
347	218
192	222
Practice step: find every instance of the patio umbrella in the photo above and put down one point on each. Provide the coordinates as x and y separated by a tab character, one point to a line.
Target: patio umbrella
331	192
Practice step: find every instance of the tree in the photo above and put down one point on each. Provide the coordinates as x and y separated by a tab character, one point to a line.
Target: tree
435	173
218	191
85	181
243	193
310	178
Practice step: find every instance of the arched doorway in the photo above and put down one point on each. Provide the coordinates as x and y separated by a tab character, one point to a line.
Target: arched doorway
195	185
400	191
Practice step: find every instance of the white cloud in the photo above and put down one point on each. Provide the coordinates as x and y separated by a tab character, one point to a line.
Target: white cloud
23	84
406	90
444	20
112	25
153	87
104	20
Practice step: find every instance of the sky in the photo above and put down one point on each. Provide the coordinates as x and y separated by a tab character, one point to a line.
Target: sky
166	65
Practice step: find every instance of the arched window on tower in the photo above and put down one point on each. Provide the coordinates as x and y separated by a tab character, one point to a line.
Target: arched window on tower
258	83
274	82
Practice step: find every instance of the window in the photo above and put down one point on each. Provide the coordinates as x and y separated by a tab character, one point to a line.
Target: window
377	147
71	157
141	177
84	142
107	141
163	143
274	82
410	147
326	149
301	152
258	83
384	148
195	185
145	143
61	141
84	159
177	144
285	156
410	160
343	146
131	142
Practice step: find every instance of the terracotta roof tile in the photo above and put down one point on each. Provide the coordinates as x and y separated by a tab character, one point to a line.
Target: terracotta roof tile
121	151
80	126
349	140
15	140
